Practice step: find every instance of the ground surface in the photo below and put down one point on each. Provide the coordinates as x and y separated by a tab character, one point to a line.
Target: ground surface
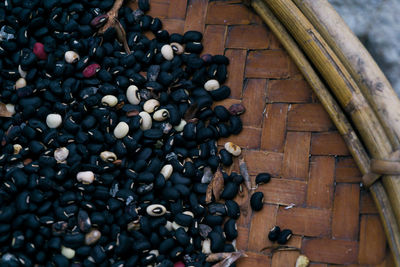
287	133
377	24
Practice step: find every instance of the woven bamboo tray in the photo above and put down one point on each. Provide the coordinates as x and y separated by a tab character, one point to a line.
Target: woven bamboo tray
288	134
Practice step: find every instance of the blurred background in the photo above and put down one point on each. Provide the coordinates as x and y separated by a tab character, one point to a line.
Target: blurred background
377	25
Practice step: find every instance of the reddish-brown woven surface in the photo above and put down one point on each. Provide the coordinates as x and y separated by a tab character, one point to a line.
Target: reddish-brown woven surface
287	133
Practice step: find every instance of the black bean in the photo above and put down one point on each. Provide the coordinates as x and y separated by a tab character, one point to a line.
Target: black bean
256	201
226	157
217	241
83	251
192	36
284	236
176	252
274	233
166	245
230	230
60	260
98	254
230	190
232	209
44	198
54	243
217	209
213	220
183	219
153	134
145	177
144	5
221	93
235	125
193	47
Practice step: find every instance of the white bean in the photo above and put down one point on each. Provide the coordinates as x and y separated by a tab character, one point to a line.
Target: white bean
10	108
69	253
167	52
21	82
177	48
85	177
180	126
121	130
156	210
151	105
53	120
161	114
235	150
175	226
132	94
109	100
22	73
211	85
166	171
61	154
108	156
17	148
146	121
71	57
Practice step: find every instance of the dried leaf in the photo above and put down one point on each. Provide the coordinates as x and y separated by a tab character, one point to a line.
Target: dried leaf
209	192
121	35
225	258
244	172
190	112
4	112
215	187
204	230
218	184
112	14
113	22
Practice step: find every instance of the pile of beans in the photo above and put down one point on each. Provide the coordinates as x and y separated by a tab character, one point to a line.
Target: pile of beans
108	155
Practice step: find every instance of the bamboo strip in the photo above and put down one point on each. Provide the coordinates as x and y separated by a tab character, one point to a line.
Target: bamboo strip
343	87
385	167
388	219
357	150
362	67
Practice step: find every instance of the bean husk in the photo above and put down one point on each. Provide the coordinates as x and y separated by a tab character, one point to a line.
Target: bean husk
225	258
244	172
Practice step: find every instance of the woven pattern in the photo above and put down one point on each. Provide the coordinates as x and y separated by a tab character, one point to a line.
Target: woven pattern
288	134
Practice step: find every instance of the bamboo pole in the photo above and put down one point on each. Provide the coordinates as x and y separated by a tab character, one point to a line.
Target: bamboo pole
357	60
343	87
339	119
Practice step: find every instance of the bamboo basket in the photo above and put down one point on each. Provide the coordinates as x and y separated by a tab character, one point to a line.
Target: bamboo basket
299	126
